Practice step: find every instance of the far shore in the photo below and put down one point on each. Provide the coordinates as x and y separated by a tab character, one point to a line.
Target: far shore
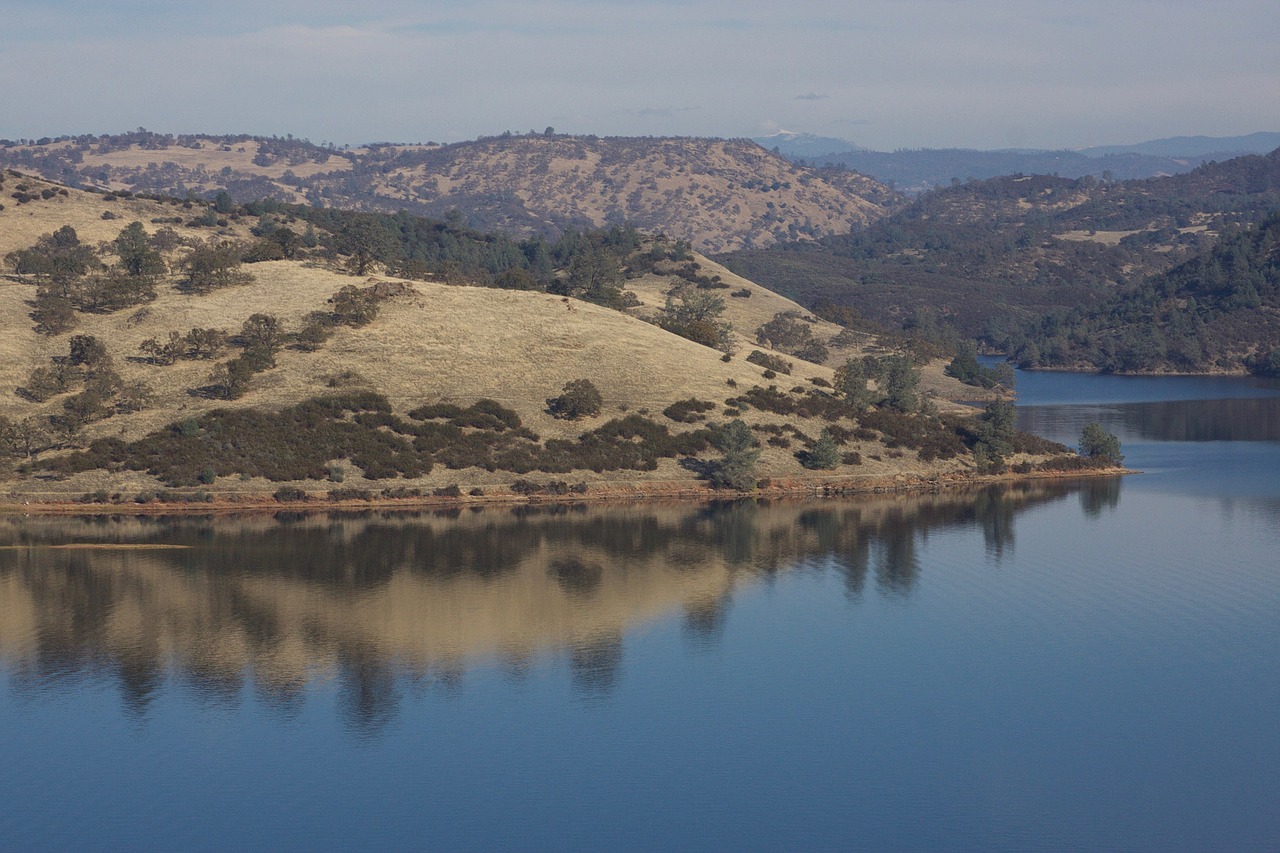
230	503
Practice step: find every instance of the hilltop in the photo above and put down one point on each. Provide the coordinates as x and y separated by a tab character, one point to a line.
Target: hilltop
135	377
717	194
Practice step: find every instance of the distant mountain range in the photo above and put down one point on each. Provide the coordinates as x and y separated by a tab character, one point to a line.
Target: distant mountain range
915	170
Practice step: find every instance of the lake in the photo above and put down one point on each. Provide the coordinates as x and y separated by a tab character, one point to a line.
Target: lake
1044	666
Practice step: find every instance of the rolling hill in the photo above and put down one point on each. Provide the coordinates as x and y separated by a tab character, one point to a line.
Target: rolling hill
718	194
307	376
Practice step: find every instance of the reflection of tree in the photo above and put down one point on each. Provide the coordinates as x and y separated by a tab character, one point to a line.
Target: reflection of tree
704	620
575	576
368	697
844	537
594	665
1237	419
897	564
368	597
139	678
1098	495
995	511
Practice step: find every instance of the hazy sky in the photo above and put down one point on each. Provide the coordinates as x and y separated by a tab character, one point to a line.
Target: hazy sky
883	73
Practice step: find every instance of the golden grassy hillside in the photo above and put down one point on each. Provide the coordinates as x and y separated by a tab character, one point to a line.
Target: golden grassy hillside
750	313
719	194
429	343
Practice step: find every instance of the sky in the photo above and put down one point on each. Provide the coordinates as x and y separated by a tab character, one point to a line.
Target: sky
884	74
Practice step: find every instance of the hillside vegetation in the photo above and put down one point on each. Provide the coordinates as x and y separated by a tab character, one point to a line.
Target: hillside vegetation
987	258
1220	309
717	194
151	345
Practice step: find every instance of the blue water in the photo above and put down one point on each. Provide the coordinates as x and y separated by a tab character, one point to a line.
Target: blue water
1044	667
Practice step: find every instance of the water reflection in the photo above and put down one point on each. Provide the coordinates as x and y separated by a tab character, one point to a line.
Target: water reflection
272	604
1248	419
1100	496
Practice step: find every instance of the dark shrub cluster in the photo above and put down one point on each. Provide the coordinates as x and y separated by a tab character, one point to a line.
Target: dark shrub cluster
483	414
811	404
293	444
688	411
930	437
352	306
349	494
581	399
770	362
298	443
554	487
1071	462
631	443
1025	442
400	492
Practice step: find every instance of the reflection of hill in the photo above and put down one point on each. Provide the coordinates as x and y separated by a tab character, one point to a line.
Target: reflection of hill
1235	419
282	601
1256	419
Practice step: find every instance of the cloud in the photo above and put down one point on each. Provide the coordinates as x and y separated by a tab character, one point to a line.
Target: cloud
811	96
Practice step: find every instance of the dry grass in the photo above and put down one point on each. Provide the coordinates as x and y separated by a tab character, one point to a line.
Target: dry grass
440	343
747	315
22	224
212	158
1106	238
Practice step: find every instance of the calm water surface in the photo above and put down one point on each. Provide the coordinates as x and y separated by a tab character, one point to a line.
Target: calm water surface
1052	666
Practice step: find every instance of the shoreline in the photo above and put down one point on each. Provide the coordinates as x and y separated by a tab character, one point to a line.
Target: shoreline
232	503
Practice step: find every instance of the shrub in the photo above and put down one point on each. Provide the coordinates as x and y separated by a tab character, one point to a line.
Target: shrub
88	351
824	454
298	442
581	399
289	494
483	414
349	494
770	362
354	306
688	411
401	492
